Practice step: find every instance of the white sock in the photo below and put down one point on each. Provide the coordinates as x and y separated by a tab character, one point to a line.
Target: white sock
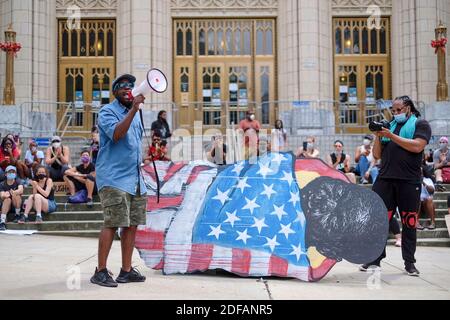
17	211
38	215
3	218
26	215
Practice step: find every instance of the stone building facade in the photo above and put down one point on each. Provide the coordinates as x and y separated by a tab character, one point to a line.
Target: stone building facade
304	43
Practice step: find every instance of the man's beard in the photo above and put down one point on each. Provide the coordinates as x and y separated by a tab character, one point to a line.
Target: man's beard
125	102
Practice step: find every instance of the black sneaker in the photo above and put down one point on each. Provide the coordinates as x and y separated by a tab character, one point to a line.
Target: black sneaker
133	276
90	203
16	218
411	270
2	226
38	220
23	219
368	266
103	278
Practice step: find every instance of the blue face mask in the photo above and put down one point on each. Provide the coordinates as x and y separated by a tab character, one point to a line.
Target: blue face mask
400	118
11	176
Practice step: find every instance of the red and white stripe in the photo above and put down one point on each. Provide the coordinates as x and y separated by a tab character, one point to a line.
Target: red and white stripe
150	238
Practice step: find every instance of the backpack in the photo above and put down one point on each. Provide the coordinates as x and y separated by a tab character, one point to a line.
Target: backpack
79	197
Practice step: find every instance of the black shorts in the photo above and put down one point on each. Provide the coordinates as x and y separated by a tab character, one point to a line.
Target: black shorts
81	186
57	175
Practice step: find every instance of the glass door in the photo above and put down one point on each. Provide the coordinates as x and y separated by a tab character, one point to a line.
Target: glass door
86	86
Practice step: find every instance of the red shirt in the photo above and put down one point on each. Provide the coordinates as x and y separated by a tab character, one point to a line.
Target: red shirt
3	156
251	130
158	156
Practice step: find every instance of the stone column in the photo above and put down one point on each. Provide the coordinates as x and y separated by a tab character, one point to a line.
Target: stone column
305	50
305	60
414	69
35	69
144	41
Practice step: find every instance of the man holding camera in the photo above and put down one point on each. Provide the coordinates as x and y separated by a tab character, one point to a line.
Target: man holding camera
400	149
121	186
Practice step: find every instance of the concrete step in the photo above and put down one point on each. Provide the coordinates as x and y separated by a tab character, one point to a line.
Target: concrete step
68	216
440	213
440	222
437	233
440	204
441	195
441	233
58	226
61	198
76	233
73	233
64	207
430	242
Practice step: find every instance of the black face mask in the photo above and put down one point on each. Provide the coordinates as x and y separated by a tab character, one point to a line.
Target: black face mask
41	176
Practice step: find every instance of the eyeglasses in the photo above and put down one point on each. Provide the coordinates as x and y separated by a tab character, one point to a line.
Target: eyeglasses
398	110
124	85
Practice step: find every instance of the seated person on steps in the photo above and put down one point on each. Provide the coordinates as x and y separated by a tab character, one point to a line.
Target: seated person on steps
82	177
57	159
43	197
10	195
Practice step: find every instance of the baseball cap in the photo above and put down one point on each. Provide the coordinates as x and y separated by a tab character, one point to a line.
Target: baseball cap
125	76
443	139
11	168
56	139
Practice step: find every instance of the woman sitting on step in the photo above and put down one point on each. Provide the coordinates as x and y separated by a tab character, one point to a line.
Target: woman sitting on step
43	197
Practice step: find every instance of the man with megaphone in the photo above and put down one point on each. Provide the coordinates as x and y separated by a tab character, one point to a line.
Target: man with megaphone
121	187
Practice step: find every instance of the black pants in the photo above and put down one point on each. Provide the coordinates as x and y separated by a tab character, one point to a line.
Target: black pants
394	227
405	196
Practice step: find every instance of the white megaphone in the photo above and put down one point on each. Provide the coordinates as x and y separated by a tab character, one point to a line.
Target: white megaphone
155	81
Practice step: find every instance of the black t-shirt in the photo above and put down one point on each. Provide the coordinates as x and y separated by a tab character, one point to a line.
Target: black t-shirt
217	159
90	168
399	164
4	186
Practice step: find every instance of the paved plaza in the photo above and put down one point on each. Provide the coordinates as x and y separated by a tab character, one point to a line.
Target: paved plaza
49	268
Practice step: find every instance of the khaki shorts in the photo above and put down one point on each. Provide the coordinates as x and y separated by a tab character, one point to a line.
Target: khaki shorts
121	209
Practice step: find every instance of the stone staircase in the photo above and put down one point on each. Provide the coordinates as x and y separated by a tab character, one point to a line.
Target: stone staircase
69	219
80	221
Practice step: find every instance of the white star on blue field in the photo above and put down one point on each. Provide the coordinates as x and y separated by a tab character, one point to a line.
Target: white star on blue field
256	207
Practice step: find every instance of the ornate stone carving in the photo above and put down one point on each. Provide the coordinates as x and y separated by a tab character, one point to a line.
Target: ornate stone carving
231	8
86	5
217	4
361	6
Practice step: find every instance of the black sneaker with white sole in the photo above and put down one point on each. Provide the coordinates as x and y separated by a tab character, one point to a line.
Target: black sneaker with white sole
366	267
23	219
2	226
103	278
411	270
133	276
16	218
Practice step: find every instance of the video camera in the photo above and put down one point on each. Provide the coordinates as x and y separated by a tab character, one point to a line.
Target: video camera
376	126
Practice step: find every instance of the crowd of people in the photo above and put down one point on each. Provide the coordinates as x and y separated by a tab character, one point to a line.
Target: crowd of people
40	169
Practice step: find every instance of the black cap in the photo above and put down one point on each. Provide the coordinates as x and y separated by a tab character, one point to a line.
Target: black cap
368	137
126	76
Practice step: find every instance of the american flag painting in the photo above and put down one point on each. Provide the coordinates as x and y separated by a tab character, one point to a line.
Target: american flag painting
252	219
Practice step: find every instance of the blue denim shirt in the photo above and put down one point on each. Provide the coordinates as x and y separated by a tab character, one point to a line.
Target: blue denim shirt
118	163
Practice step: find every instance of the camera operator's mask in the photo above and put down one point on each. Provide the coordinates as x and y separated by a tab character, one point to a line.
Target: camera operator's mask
443	146
367	142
